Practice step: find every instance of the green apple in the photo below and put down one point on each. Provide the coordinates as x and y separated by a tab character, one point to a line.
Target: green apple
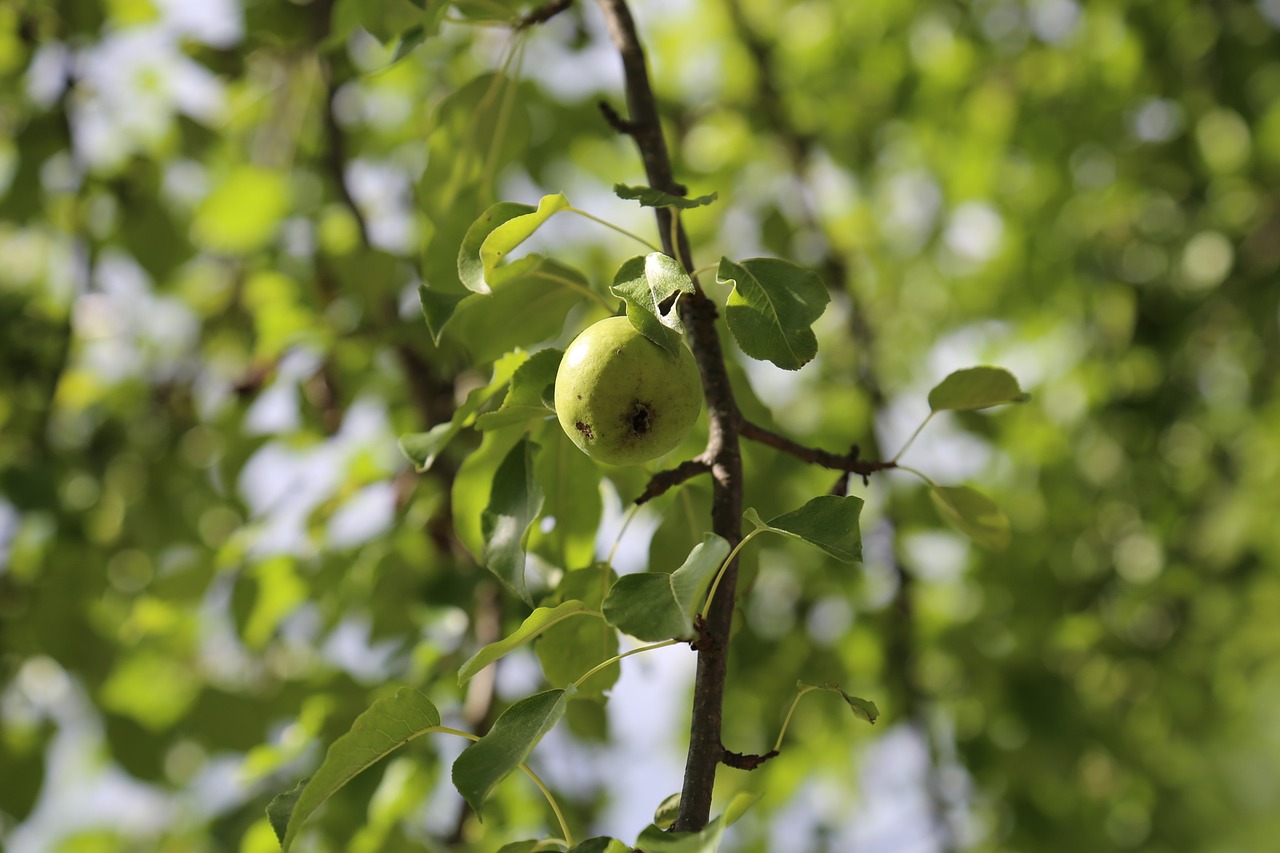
622	398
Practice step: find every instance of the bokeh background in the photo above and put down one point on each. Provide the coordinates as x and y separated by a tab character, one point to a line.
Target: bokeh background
213	220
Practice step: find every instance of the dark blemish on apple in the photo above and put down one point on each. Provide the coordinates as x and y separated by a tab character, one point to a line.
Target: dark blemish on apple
585	429
641	418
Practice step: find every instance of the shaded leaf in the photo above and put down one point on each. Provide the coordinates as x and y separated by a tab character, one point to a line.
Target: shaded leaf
829	522
976	388
863	709
772	306
514	503
649	197
423	448
281	807
975	514
514	735
525	311
571	484
534	624
499	243
571	648
655	606
387	725
648	284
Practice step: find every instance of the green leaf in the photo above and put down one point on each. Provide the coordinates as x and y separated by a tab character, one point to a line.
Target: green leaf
514	503
387	725
653	606
667	811
423	448
655	839
649	197
863	709
514	735
601	844
528	310
771	309
571	483
975	514
828	521
571	648
650	285
976	388
534	624
527	392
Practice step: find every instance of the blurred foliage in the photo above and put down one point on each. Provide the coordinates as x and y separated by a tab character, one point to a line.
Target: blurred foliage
213	220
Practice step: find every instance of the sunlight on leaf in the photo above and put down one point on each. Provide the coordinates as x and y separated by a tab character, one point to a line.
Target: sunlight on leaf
534	624
653	606
772	306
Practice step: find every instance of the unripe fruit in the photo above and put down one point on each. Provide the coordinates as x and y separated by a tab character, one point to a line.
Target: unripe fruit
622	398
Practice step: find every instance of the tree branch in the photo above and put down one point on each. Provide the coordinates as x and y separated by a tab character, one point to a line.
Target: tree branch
543	13
848	462
739	761
722	454
663	481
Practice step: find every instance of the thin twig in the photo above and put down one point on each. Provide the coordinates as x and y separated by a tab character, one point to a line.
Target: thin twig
664	481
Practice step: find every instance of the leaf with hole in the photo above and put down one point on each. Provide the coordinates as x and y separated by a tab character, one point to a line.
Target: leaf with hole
650	285
772	306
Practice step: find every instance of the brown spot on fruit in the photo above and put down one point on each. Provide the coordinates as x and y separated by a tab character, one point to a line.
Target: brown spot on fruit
641	418
585	429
